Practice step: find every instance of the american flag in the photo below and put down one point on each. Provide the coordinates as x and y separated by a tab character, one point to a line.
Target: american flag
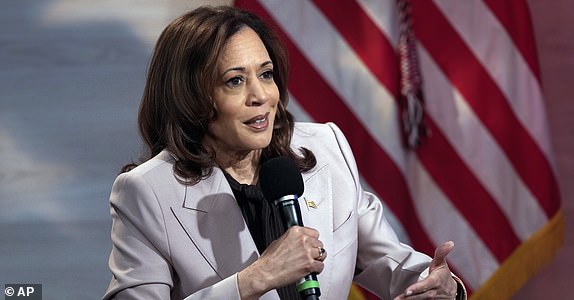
484	175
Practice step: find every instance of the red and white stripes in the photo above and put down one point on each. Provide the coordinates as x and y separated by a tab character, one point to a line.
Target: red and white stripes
484	177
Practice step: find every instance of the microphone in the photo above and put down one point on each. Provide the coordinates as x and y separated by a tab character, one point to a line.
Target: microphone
282	184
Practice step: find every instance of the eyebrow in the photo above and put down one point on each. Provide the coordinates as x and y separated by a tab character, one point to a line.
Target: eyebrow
243	68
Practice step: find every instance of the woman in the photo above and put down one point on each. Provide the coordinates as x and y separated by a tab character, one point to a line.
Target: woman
191	222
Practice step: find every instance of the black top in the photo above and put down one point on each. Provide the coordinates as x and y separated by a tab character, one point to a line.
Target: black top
263	221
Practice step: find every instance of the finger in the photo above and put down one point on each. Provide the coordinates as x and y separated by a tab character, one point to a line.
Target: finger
426	295
307	231
311	232
315	250
400	297
321	254
420	287
316	264
439	259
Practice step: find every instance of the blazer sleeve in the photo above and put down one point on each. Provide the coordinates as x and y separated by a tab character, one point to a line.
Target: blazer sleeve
140	257
384	265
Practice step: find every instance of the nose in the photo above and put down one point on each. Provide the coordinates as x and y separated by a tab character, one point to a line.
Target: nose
257	93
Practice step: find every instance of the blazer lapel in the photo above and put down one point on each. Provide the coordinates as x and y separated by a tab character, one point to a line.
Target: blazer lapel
317	212
213	221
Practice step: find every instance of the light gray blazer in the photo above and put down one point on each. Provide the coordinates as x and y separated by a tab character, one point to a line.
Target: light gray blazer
172	241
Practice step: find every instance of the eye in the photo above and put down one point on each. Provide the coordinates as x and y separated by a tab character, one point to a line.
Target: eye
267	75
234	81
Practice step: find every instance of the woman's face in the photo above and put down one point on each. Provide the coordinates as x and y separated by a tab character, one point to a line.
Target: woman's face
245	96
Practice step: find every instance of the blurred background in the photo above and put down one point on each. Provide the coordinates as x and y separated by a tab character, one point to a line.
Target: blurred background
71	77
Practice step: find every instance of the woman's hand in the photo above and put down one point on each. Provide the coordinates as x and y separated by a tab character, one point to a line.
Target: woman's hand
289	258
439	284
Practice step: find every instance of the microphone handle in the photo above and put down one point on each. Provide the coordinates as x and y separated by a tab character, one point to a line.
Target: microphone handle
308	286
289	210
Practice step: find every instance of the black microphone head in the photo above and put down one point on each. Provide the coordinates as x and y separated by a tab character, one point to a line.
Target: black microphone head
280	177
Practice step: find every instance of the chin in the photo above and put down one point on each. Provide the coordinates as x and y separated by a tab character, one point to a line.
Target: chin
260	144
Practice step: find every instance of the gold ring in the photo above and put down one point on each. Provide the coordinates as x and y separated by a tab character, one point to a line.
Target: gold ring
321	252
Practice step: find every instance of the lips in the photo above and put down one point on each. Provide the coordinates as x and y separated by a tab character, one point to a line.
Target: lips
258	122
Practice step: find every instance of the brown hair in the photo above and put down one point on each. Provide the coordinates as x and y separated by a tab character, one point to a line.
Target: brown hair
176	106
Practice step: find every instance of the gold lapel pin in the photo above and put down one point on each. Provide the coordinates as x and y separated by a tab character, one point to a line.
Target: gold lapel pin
310	203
